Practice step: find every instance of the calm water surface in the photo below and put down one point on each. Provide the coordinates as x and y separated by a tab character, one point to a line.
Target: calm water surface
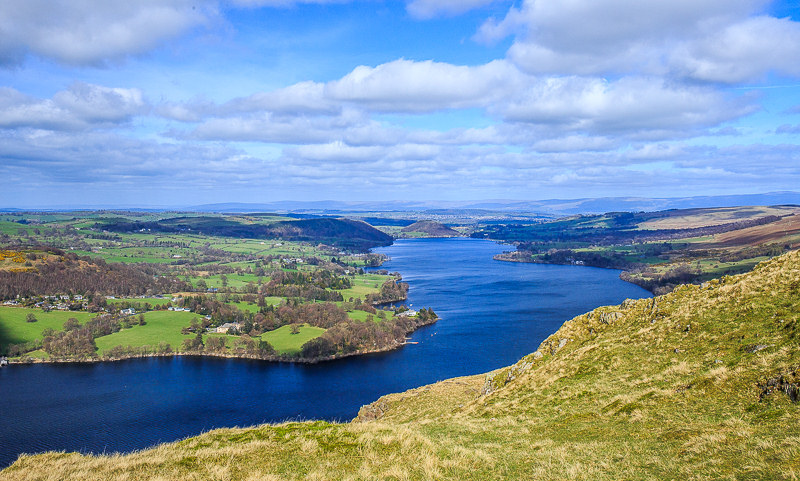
492	313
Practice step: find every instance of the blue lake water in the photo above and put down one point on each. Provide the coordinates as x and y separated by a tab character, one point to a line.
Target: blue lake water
492	313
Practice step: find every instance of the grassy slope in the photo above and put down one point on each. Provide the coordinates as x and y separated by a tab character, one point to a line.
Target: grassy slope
363	285
15	330
161	326
285	342
624	392
689	218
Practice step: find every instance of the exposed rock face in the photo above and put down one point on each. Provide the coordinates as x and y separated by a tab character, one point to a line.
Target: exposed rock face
786	383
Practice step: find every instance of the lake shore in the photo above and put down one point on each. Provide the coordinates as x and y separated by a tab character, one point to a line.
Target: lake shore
253	357
513	257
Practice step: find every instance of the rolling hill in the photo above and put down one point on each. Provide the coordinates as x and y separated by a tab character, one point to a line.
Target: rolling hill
343	233
430	228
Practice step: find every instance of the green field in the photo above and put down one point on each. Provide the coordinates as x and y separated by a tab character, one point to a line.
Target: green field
363	285
357	315
285	342
13	228
15	330
166	326
253	308
161	326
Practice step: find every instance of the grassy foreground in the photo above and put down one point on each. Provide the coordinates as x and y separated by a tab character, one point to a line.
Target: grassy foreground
701	383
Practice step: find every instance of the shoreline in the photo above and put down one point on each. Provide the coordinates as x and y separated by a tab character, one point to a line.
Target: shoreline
503	258
251	357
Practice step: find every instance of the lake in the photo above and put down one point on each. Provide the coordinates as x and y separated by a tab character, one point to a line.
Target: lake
492	313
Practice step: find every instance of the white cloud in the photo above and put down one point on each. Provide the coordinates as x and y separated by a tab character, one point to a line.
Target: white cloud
742	51
408	86
81	106
300	98
275	128
725	41
575	143
304	98
629	106
81	32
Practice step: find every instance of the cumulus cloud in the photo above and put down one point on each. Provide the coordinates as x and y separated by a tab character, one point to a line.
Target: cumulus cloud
304	98
81	32
300	98
526	108
575	143
725	41
81	106
409	86
629	106
743	51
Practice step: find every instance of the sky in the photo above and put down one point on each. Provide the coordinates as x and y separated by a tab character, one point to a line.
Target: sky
168	103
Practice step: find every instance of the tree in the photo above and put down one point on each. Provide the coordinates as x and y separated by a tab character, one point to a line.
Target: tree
215	344
194	344
295	328
265	348
30	318
71	324
317	348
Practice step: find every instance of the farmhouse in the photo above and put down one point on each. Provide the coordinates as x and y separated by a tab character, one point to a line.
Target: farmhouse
227	327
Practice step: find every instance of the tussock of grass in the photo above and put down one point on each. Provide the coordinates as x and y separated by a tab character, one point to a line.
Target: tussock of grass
669	388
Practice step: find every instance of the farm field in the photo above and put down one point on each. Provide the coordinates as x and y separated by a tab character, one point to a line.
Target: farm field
284	342
363	285
14	329
162	326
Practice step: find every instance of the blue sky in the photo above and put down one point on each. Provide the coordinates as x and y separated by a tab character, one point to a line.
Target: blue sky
179	102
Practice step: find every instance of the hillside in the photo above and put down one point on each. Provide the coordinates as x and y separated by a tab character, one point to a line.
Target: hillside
658	250
343	233
701	383
429	228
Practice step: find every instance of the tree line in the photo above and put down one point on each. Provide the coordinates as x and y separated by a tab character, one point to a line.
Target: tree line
67	273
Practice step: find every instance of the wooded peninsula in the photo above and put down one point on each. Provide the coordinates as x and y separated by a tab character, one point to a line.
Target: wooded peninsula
98	286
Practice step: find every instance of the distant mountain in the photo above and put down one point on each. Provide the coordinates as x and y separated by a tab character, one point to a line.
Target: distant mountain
339	208
637	204
549	206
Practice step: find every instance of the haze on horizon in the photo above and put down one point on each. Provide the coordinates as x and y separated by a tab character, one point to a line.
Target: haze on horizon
178	102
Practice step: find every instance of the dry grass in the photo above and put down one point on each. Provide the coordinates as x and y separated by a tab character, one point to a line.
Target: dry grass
710	217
